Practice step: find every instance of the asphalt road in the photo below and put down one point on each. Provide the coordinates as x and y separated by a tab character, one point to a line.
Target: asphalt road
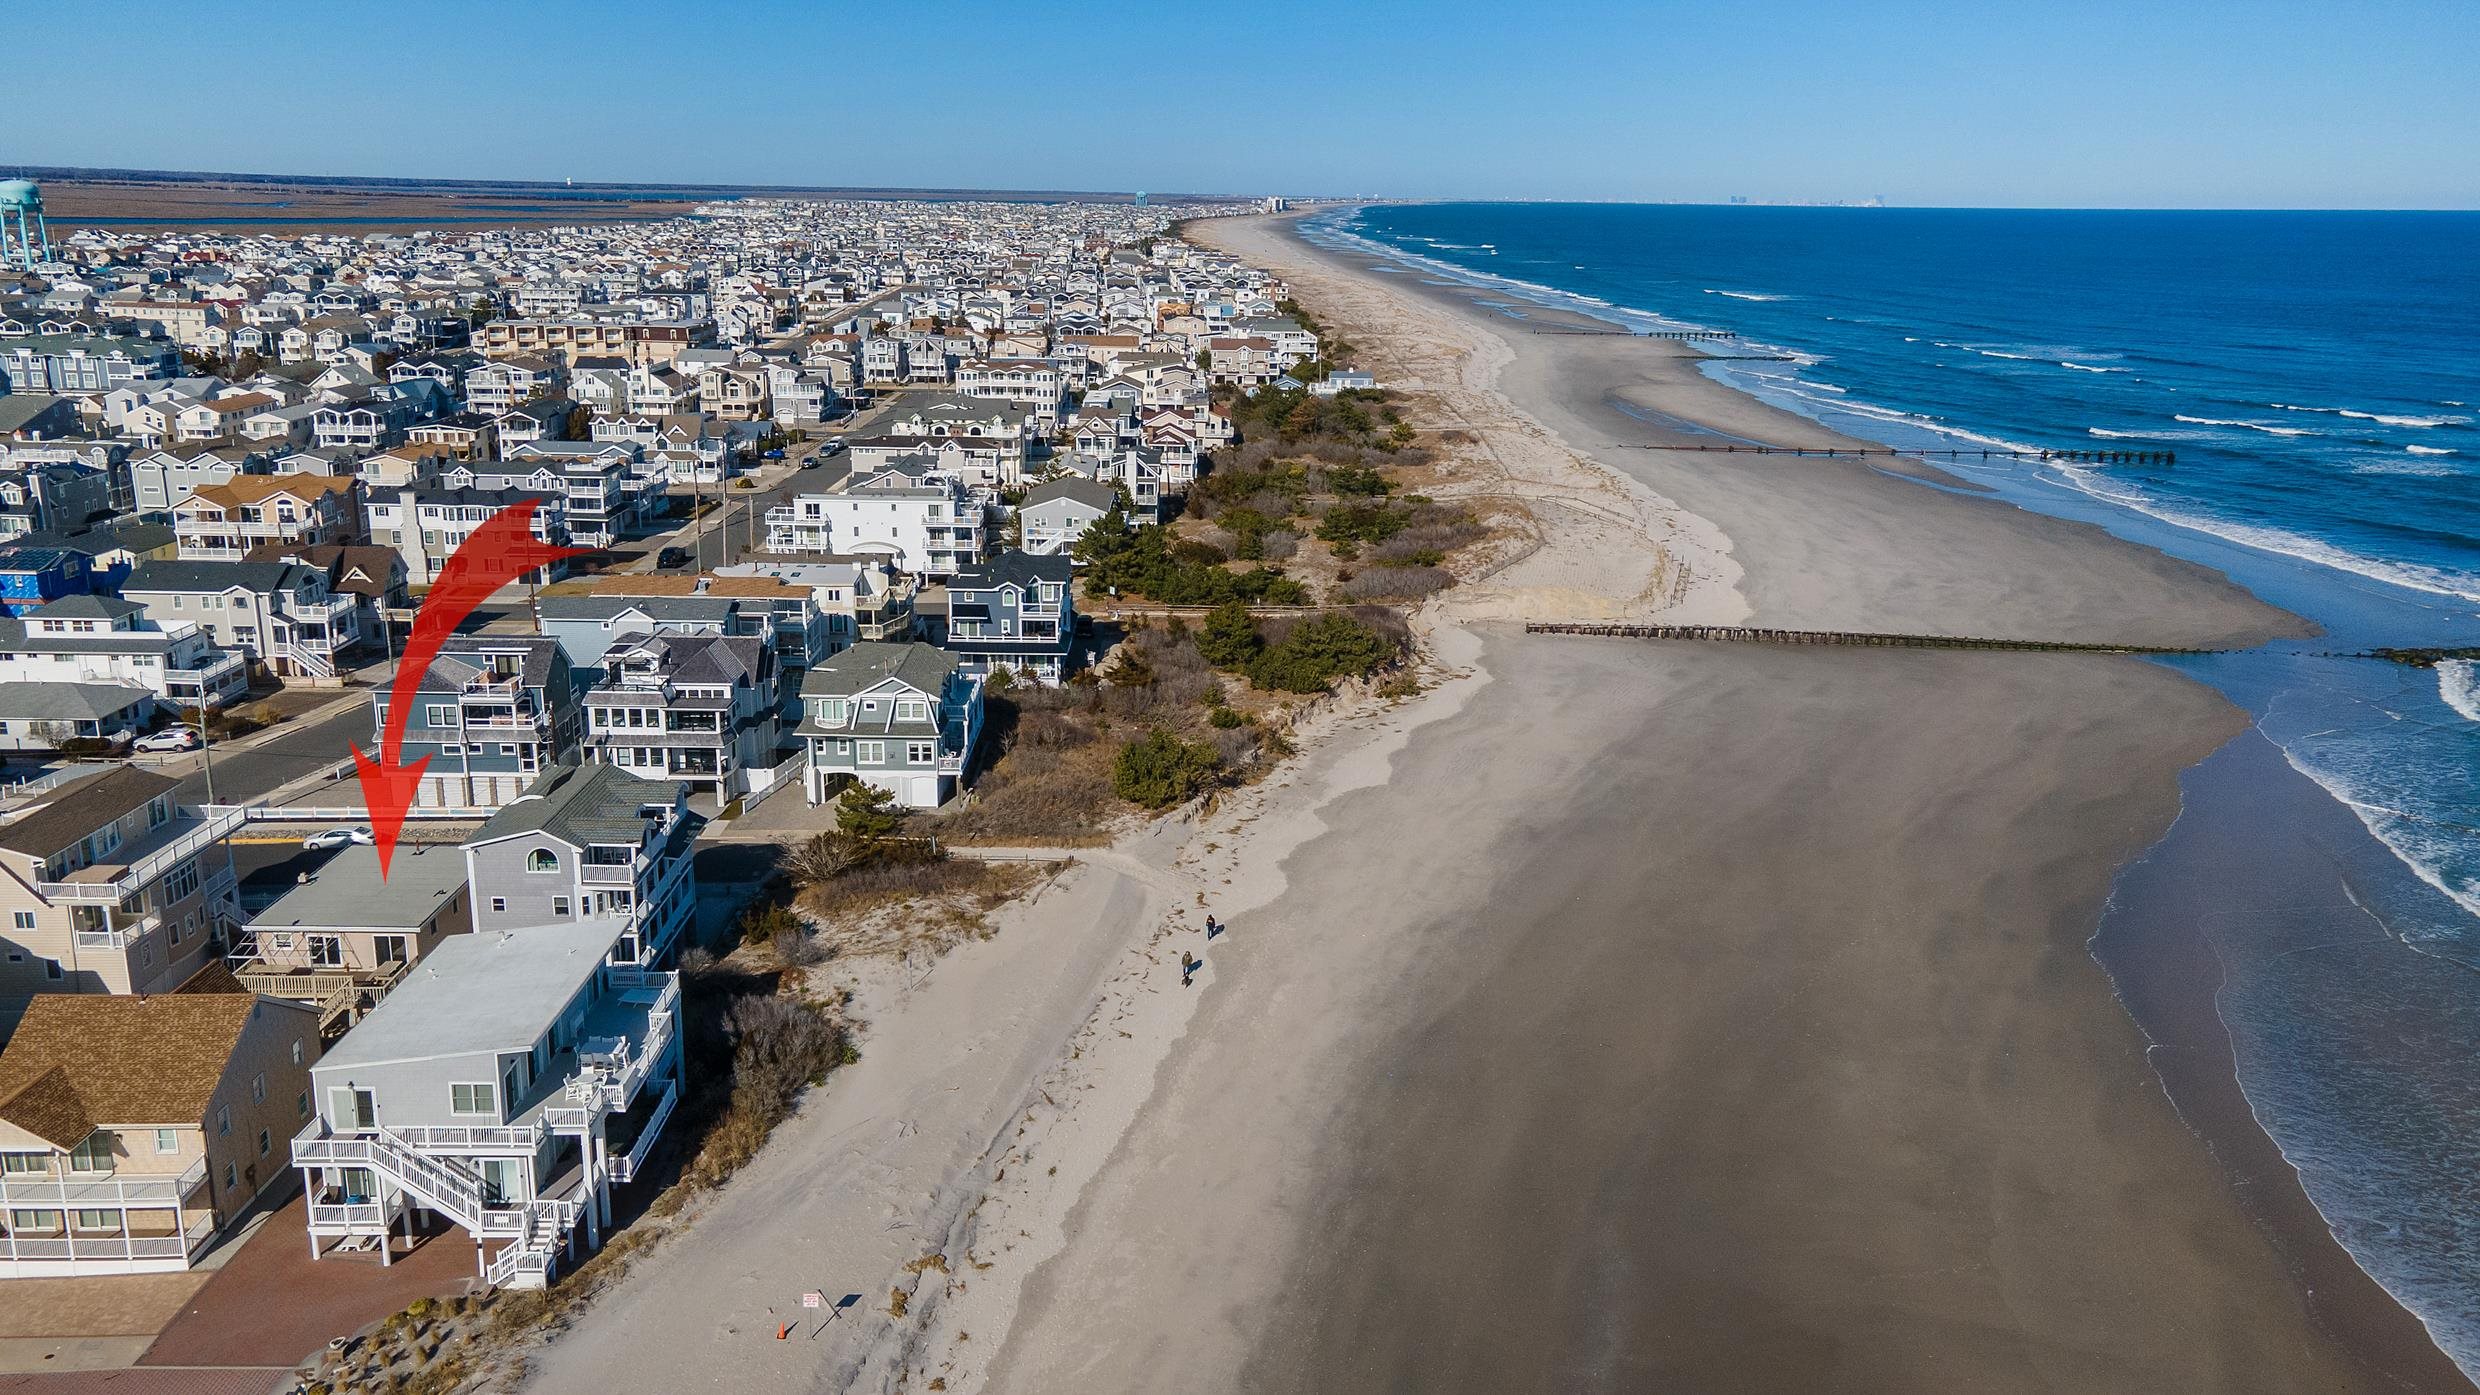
295	750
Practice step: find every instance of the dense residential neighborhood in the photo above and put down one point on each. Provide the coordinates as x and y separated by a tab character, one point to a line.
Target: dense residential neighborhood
825	470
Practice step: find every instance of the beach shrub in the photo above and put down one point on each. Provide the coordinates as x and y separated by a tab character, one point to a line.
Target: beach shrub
1229	637
1396	583
1224	719
1147	563
868	813
1357	479
1361	523
1159	770
1319	650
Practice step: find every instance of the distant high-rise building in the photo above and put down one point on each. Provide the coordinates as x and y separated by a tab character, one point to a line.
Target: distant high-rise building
1140	198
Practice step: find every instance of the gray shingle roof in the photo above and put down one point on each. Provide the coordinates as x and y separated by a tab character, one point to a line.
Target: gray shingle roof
67	702
580	804
923	666
260	578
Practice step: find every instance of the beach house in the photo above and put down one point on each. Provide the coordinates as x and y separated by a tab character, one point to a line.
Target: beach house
505	1087
135	1130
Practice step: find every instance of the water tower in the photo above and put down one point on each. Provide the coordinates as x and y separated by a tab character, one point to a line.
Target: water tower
25	239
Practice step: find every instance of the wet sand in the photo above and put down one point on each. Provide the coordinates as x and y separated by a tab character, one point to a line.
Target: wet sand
1708	1018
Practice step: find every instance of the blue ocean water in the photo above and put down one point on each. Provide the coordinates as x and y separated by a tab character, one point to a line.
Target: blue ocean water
2317	376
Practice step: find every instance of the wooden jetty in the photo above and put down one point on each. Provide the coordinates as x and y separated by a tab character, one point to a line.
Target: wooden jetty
2072	457
1860	639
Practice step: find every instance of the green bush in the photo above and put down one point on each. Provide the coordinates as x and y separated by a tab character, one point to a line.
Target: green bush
1360	523
868	813
1356	479
1224	719
1159	770
1229	637
1147	563
1317	652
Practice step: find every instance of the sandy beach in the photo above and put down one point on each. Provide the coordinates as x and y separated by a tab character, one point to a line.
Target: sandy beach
1610	1016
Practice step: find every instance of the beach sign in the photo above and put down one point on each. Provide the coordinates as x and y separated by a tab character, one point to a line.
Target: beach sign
813	1299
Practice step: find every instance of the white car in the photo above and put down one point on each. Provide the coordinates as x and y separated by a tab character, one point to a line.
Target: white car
169	739
339	837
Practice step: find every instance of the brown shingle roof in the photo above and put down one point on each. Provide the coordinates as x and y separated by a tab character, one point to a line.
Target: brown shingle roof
122	1060
49	1108
80	807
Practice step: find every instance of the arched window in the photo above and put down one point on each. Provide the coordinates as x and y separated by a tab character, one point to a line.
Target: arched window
542	860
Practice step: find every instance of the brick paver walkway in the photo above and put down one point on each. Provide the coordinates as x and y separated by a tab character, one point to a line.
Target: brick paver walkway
272	1305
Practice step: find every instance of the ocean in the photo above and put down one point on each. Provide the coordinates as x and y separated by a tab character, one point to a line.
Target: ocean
2315	378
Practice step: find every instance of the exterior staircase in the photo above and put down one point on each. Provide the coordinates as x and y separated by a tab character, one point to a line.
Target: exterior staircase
536	1230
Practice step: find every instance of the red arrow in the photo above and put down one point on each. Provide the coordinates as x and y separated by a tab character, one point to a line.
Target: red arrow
503	549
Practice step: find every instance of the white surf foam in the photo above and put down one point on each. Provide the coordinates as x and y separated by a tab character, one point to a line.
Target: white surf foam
2087	367
2458	682
2430	450
1745	295
2380	418
2249	425
2436	581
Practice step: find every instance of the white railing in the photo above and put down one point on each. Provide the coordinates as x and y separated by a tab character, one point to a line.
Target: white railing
439	1183
216	824
474	1138
624	1168
100	1190
73	1247
353	1217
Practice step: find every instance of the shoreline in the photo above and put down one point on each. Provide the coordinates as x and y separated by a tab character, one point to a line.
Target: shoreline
2156	984
1369	1142
2176	601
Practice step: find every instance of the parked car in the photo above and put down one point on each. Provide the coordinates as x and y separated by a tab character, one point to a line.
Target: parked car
170	739
339	837
671	558
776	454
834	446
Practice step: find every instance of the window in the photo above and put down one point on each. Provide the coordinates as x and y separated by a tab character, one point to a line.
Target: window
35	1220
499	903
93	1155
921	752
542	860
167	1141
301	1105
95	1218
264	1143
24	1164
873	753
23	920
559	905
326	951
223	1120
51	969
232	1177
473	1099
296	1052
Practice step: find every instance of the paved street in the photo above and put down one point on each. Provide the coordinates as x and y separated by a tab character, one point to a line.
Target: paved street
290	752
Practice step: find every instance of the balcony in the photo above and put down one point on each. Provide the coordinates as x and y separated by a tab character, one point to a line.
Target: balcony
132	868
90	1191
177	1248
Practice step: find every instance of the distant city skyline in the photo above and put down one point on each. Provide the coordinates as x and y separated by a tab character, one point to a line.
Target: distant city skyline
1921	102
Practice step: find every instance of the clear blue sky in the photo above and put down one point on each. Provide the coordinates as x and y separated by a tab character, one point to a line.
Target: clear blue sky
2200	103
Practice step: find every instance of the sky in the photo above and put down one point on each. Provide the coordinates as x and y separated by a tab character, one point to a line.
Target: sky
2083	103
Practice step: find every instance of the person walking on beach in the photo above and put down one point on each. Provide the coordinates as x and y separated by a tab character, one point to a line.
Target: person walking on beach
1212	929
1188	966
